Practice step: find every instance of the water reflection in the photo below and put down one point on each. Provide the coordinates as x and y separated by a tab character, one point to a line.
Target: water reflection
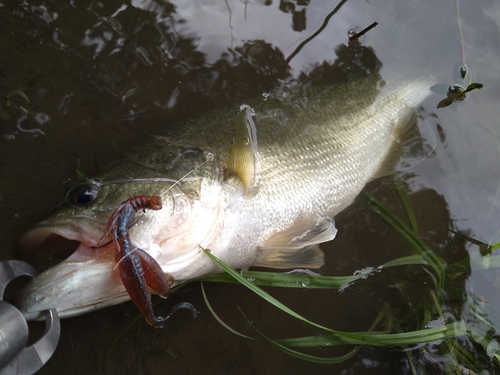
119	71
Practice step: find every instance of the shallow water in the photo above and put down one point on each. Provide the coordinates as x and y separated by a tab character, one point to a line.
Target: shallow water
112	74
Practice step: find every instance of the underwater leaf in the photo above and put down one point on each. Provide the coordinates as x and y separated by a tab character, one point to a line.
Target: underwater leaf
303	356
96	161
437	263
436	304
66	186
173	353
3	113
20	93
80	174
119	336
373	338
405	199
261	293
219	319
32	82
426	335
114	144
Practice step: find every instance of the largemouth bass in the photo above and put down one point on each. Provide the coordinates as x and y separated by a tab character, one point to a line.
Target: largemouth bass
258	186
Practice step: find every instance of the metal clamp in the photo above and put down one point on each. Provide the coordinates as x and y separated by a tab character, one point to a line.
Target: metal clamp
15	357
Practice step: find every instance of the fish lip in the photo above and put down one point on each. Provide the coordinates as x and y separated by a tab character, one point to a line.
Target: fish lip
73	288
84	278
56	239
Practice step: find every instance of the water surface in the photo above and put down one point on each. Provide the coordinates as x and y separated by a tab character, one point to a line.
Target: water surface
113	73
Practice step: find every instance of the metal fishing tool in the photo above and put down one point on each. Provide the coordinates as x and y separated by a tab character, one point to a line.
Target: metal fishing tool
15	356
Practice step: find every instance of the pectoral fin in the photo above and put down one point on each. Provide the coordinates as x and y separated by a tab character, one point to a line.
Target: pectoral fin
297	246
242	161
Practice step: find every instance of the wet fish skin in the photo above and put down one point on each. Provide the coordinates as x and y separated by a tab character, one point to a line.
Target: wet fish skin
311	158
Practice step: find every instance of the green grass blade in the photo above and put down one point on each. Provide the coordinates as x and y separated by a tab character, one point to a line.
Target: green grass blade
422	336
32	82
119	336
374	338
288	280
261	293
405	200
437	264
20	93
409	260
4	115
303	356
303	281
219	319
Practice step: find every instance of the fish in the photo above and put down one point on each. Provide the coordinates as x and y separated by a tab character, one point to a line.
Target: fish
259	185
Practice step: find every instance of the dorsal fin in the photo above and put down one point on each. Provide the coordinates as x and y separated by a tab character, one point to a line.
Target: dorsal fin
297	246
242	160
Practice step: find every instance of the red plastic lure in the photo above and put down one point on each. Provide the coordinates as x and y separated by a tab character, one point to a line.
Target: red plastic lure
138	270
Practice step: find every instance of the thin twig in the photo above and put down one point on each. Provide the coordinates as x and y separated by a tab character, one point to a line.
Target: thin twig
356	36
325	23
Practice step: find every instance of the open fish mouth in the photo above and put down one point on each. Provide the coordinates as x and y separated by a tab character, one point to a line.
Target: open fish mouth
76	277
54	240
45	248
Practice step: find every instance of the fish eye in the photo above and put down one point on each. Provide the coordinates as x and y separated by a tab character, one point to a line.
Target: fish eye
83	195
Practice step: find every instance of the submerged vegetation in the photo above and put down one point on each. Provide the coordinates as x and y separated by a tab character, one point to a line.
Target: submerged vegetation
429	329
10	99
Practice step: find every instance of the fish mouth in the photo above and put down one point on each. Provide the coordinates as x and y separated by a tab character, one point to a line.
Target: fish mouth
77	276
48	244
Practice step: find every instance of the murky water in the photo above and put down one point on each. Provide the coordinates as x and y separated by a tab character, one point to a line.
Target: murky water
112	73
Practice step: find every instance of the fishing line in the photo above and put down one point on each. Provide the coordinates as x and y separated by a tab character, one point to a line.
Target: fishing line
123	257
210	158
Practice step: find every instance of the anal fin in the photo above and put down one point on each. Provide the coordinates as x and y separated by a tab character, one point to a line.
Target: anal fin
297	246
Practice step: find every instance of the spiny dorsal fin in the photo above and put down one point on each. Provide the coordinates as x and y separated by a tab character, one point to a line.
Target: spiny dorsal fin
297	246
242	161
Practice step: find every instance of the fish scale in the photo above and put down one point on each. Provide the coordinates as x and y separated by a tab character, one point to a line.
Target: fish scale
322	172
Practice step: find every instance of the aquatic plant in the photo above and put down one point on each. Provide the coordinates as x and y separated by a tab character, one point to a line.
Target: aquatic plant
429	325
9	100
